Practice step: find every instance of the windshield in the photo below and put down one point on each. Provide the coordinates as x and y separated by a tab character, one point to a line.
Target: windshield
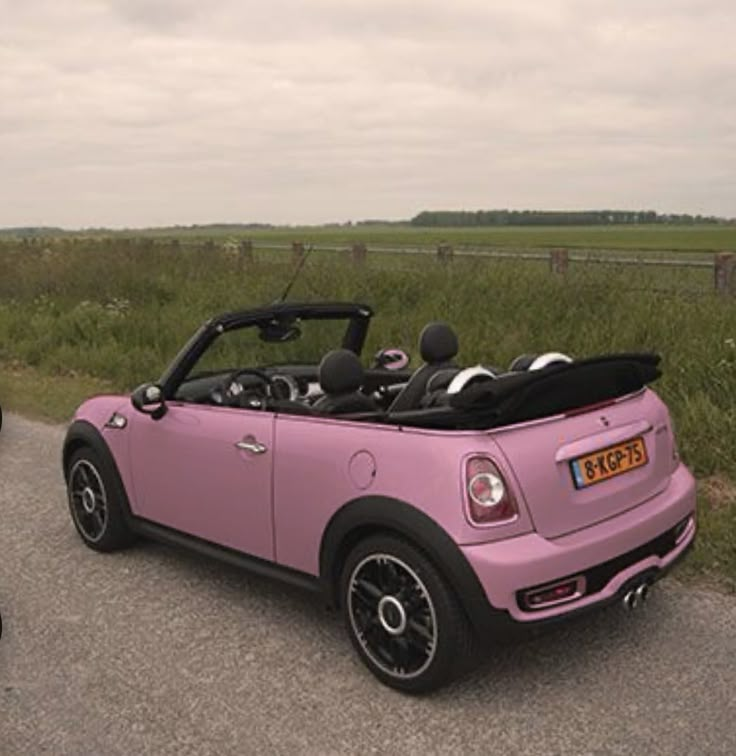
288	342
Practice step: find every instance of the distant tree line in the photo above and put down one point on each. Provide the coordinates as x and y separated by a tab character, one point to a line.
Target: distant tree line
553	218
427	218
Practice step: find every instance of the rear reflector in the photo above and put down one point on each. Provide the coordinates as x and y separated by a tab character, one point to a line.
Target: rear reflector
554	593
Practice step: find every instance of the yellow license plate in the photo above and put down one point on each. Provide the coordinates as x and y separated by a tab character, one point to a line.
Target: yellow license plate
609	462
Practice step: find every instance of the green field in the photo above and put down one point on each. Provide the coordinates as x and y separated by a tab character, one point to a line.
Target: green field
696	238
77	317
689	238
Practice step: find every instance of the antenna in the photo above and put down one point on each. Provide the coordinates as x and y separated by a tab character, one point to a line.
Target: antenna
299	267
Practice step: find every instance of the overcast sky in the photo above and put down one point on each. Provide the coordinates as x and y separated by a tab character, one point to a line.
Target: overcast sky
153	112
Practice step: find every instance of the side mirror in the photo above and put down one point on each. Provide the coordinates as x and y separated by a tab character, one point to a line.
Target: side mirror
391	359
149	399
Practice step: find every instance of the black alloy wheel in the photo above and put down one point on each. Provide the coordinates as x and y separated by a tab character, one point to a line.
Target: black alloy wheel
96	501
402	617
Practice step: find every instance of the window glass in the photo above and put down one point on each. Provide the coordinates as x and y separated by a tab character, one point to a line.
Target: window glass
244	347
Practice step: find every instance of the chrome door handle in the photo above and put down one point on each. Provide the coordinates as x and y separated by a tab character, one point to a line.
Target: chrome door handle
251	446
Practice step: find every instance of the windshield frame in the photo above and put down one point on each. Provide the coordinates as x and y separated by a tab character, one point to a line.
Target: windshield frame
356	316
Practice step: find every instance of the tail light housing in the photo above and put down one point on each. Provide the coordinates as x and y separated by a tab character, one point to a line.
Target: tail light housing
489	497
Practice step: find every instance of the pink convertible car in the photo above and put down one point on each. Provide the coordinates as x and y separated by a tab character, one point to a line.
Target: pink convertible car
435	506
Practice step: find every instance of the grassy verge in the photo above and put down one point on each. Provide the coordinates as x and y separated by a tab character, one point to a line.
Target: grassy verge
714	558
40	396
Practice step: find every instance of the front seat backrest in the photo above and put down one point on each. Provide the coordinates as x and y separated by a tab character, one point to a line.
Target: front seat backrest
341	376
438	346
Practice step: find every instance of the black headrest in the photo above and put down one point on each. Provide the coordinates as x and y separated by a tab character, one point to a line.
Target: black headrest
340	372
437	343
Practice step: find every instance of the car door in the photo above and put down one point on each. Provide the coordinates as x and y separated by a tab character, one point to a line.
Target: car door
206	471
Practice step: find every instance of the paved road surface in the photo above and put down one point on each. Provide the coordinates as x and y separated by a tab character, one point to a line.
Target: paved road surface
153	651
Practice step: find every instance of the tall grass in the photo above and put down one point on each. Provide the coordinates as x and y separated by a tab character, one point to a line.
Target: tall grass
119	311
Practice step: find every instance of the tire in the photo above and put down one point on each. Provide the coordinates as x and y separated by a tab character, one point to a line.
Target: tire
97	502
403	619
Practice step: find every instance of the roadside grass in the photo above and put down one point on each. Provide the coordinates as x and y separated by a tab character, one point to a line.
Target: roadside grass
52	398
714	558
80	318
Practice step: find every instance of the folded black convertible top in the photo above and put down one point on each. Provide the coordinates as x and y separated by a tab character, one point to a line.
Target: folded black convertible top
517	397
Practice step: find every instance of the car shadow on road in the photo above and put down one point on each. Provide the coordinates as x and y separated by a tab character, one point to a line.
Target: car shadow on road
572	650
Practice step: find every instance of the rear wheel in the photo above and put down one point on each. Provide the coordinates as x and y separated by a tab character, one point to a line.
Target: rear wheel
402	618
96	502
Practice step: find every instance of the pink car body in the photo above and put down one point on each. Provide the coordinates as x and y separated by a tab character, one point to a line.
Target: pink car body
294	493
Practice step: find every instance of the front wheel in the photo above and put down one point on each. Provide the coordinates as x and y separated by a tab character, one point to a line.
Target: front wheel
96	502
402	618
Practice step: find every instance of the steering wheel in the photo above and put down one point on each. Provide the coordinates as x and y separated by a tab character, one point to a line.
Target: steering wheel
230	392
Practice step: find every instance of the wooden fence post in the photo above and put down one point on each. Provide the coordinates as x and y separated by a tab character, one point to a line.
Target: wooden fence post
725	272
297	251
245	253
558	260
358	253
445	252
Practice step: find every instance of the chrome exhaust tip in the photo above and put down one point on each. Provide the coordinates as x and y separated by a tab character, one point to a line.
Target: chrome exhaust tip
630	600
636	596
642	592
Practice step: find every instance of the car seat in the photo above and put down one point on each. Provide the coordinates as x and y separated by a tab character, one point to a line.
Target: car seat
340	376
438	346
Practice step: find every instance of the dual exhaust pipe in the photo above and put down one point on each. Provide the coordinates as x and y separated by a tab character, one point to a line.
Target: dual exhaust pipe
636	596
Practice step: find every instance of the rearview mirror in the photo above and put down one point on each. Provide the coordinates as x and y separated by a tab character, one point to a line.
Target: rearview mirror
278	331
149	399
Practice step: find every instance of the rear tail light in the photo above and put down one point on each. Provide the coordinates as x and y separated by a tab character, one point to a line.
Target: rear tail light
489	498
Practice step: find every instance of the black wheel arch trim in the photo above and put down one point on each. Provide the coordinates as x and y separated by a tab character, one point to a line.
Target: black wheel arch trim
82	433
367	514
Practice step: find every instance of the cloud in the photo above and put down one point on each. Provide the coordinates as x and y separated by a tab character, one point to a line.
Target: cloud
133	112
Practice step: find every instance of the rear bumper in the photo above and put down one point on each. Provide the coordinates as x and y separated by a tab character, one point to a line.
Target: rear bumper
612	553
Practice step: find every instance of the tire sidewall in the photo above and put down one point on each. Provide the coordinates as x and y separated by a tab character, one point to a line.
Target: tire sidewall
451	625
116	533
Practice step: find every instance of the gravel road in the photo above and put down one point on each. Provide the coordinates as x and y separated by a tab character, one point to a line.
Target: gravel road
155	651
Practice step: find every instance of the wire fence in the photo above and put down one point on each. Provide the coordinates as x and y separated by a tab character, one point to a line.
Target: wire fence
718	269
687	273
